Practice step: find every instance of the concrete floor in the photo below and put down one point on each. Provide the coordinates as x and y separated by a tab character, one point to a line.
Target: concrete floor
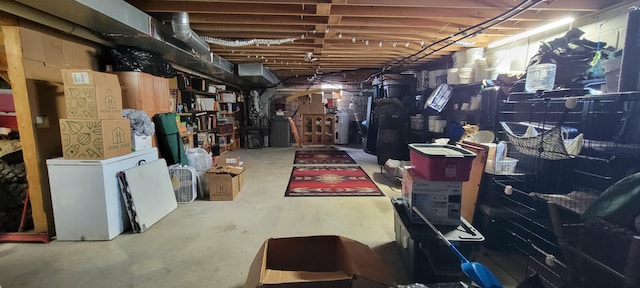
212	244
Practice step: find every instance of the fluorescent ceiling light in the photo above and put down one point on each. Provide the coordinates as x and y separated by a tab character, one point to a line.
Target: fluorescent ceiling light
328	86
531	32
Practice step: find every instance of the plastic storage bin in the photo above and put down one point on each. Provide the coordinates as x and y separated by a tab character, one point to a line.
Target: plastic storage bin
474	54
506	166
465	75
437	162
540	77
612	70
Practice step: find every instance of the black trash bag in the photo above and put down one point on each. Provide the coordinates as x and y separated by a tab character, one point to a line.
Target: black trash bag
572	56
132	59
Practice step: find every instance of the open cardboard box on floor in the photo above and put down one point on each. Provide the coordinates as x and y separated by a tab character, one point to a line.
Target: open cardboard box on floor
317	261
224	179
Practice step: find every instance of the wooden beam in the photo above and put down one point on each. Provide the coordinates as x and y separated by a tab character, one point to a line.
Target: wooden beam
230	8
431	12
26	127
7	19
252	19
295	96
587	5
582	6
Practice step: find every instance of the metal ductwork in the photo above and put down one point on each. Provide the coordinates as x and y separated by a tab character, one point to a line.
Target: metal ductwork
257	73
123	24
182	31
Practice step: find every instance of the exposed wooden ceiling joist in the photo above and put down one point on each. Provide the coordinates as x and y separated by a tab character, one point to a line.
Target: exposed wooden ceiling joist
359	22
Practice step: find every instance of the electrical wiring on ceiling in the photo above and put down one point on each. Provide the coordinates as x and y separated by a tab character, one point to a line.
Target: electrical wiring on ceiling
468	32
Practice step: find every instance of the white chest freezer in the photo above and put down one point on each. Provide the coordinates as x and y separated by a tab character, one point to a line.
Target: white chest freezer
87	204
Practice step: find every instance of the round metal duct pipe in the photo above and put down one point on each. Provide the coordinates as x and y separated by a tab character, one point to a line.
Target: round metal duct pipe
182	31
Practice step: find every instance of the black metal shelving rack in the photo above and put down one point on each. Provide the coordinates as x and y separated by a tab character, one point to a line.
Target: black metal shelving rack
514	210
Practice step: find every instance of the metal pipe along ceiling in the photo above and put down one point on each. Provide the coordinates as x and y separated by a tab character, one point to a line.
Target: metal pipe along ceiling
48	20
182	30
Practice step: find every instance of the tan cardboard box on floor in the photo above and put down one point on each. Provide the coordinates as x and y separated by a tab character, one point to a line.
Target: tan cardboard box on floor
91	95
225	178
95	139
317	261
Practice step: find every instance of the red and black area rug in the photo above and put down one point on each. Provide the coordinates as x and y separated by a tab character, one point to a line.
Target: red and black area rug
322	157
331	181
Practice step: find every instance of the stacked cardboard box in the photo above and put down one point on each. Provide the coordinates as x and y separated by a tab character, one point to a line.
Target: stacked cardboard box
439	201
94	127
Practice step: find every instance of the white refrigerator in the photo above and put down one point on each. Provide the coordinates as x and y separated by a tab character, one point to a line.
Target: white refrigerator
87	203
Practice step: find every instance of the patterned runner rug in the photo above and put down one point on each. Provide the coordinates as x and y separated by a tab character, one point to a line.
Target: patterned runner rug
322	157
331	181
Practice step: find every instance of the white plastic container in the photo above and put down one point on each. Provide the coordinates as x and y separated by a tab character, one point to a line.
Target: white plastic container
452	76
540	77
435	77
437	125
480	70
612	70
459	59
465	75
506	166
474	54
432	123
417	122
499	59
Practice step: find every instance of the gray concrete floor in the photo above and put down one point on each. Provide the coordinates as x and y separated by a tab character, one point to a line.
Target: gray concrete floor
212	244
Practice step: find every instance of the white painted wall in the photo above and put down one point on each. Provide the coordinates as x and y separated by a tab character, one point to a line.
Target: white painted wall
607	26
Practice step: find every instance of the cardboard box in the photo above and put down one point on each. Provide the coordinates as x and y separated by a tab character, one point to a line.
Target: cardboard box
311	105
95	139
141	142
225	178
317	261
440	202
228	97
91	95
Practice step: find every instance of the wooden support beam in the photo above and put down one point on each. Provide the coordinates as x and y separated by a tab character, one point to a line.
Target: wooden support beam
26	128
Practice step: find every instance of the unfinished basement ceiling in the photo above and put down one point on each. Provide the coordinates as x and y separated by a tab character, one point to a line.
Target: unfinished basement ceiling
363	35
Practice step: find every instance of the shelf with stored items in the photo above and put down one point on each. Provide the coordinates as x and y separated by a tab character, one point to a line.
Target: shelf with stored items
444	111
569	151
199	121
318	129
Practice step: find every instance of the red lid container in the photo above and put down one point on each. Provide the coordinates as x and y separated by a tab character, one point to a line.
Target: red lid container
437	162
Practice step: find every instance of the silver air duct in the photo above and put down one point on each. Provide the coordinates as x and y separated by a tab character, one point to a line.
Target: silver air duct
182	30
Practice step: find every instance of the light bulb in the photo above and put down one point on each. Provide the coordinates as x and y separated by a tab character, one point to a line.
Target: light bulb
340	36
380	44
421	43
395	44
353	40
406	45
366	42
